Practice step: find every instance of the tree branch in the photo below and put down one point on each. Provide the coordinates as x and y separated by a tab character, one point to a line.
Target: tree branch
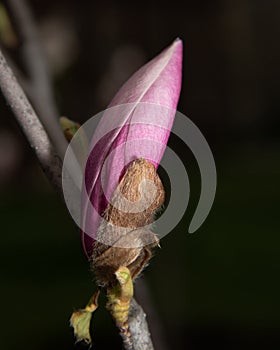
143	296
138	326
40	88
30	124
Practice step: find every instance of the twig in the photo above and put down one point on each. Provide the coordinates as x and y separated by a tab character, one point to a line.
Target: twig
40	87
51	164
143	296
140	335
30	124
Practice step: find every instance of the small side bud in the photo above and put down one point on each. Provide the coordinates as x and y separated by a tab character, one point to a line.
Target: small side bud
69	127
119	298
80	319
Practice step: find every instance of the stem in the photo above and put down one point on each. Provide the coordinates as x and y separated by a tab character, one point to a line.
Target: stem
30	124
143	295
138	327
40	86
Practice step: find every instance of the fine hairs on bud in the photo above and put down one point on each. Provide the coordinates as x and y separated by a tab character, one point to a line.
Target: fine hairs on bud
123	237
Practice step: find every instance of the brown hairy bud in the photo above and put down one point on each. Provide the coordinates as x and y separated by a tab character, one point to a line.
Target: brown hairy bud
123	237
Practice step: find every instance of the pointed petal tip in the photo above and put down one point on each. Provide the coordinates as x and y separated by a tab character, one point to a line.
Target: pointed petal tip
178	42
177	47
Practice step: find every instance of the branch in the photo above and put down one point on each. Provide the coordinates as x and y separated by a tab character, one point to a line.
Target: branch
30	124
139	331
142	294
39	86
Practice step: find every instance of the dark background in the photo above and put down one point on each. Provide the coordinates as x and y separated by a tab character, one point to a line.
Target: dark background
216	288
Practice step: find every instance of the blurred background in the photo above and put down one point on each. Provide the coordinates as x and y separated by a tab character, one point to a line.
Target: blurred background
217	287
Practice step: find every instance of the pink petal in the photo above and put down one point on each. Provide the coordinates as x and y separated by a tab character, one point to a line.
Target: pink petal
136	125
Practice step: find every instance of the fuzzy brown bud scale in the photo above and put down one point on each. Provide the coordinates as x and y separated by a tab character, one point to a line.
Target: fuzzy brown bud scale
125	225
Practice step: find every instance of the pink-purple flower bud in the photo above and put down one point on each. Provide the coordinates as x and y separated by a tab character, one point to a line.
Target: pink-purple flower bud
136	125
